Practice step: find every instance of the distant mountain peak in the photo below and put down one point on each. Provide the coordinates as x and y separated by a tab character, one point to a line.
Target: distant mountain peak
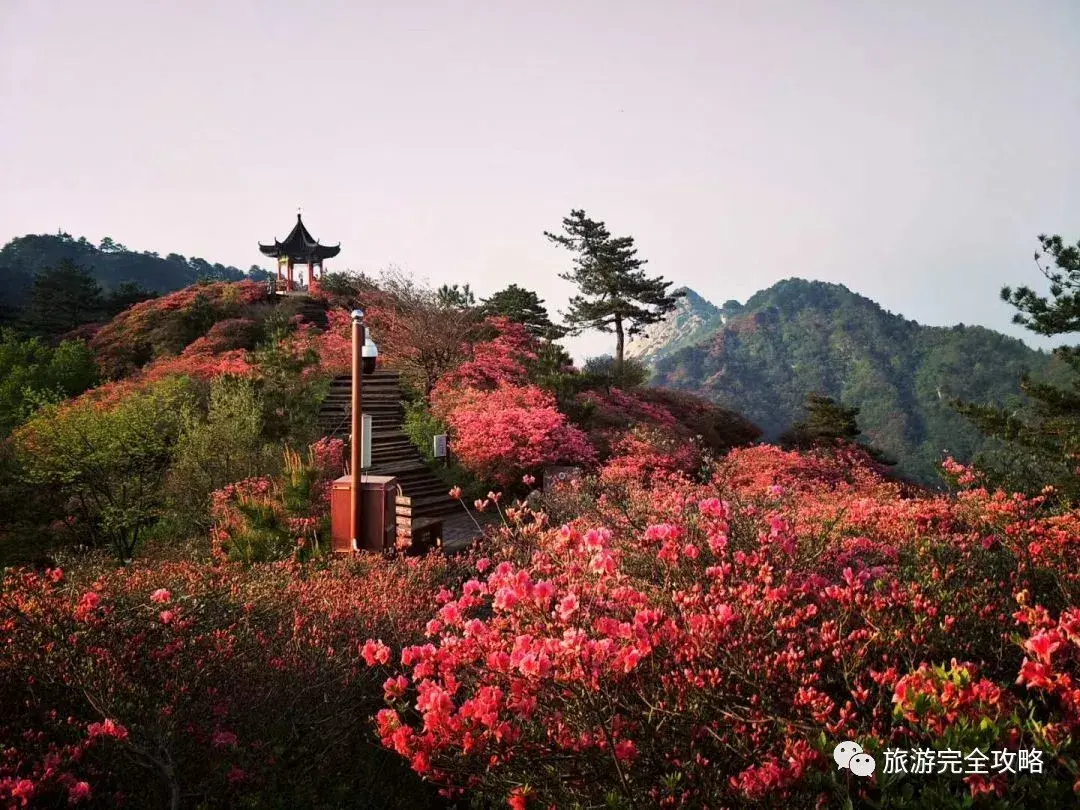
691	321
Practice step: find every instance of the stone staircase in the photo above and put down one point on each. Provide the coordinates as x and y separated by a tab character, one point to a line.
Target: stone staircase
313	310
423	493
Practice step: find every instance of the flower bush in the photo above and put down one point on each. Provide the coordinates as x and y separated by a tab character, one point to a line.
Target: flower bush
708	644
499	434
503	359
646	453
193	685
334	344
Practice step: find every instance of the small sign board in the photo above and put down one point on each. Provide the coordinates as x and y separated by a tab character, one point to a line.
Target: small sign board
561	476
365	444
439	443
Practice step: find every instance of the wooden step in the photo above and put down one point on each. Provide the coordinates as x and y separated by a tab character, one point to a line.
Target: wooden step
429	491
417	474
429	508
392	451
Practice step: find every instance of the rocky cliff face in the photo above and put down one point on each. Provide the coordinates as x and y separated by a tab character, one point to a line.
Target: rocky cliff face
692	320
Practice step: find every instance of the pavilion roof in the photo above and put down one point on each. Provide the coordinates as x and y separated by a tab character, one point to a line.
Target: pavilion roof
300	246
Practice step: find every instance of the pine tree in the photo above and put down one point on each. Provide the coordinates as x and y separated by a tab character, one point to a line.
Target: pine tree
451	296
829	424
826	422
63	298
524	307
124	296
1044	437
615	295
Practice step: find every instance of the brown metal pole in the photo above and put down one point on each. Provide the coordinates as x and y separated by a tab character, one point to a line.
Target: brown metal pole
357	422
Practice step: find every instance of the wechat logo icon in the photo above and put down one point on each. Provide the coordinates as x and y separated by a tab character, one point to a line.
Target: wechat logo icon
849	754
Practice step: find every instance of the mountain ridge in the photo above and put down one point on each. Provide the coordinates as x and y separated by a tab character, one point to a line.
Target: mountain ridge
799	337
110	263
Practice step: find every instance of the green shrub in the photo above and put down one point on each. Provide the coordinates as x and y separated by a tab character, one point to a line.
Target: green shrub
267	519
106	460
289	385
422	427
602	370
32	372
219	443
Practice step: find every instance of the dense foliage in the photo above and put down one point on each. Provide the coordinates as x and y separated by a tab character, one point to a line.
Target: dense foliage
497	434
695	622
676	643
188	685
106	464
168	325
827	424
509	413
608	414
32	373
525	307
213	385
265	518
220	442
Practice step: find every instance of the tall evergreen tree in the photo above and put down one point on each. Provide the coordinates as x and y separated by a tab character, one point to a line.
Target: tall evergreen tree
1045	436
614	295
127	294
826	422
451	296
829	424
524	307
63	298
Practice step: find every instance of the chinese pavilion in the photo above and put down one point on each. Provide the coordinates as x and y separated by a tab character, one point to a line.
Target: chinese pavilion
299	247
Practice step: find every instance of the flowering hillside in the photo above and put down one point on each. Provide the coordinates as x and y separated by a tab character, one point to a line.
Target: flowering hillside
709	644
166	325
697	622
638	643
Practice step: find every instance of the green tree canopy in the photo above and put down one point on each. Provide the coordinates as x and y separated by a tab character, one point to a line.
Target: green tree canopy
124	296
218	444
829	424
107	462
33	372
614	294
63	298
602	370
827	421
524	307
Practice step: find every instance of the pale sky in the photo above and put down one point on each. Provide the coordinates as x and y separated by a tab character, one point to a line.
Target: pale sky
910	151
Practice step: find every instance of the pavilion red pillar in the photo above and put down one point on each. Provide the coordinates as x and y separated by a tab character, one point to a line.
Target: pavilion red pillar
289	283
